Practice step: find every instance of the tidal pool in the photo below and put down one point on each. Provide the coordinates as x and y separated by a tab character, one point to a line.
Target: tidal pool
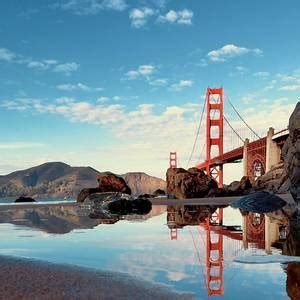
186	247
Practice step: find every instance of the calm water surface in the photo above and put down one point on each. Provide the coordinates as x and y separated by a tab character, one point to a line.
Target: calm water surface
173	245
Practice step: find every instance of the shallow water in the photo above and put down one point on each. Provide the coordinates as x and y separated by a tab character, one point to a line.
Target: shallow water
173	245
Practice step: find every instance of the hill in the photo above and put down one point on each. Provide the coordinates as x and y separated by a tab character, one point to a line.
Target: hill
57	179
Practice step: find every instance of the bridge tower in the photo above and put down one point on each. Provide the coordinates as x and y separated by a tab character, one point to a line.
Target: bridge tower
214	124
214	254
173	160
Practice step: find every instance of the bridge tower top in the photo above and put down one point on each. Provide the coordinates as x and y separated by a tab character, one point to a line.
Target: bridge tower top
214	131
173	160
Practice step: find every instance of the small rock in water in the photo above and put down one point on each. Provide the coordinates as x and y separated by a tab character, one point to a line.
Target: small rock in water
117	204
259	202
24	199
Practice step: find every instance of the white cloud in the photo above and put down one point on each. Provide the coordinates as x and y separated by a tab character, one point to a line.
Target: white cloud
184	17
262	74
6	54
91	7
159	82
141	71
19	145
292	87
229	51
41	65
139	16
140	130
182	84
66	68
77	87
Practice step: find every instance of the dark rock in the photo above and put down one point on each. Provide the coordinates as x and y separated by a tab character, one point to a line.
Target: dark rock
291	153
259	202
24	199
242	187
109	205
147	196
159	192
87	192
191	183
109	182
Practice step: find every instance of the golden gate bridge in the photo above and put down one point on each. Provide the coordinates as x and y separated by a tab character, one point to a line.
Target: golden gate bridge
258	153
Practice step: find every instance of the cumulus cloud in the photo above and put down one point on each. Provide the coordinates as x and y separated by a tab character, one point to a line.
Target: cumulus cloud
139	16
184	17
159	82
90	7
141	71
66	68
77	87
182	84
6	54
19	145
291	87
41	65
262	74
229	51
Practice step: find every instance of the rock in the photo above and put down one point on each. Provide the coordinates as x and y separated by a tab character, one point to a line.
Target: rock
242	187
272	180
109	182
191	183
84	193
109	205
24	199
291	153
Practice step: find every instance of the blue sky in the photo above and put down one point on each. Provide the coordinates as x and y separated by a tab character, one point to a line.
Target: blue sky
117	84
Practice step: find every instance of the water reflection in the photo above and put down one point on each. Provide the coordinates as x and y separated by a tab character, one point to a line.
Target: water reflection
270	232
198	239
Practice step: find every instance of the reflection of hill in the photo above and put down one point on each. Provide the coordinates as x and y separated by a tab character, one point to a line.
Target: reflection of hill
63	218
52	219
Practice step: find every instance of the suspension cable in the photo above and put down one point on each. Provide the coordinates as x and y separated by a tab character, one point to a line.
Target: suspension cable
197	134
243	119
233	129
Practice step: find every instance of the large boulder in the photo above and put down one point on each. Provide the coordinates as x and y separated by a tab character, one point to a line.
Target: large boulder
23	199
191	183
291	154
242	187
108	182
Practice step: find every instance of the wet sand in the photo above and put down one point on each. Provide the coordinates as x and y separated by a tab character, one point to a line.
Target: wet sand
28	279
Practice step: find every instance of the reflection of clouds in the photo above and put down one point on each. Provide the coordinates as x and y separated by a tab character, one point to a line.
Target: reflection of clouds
177	276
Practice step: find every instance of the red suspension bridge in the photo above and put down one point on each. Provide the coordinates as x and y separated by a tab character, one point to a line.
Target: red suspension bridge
258	153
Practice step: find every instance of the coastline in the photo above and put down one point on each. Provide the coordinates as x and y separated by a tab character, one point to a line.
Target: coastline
32	279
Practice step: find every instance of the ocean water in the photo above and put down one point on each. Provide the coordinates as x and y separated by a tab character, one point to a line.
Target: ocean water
43	200
183	247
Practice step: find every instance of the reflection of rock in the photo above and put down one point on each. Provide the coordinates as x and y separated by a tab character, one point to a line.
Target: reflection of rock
179	215
116	204
293	280
24	199
108	182
191	183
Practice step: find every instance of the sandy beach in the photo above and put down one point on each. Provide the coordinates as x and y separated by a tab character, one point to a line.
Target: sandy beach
29	279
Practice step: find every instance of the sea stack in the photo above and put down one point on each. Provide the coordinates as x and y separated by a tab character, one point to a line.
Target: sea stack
291	154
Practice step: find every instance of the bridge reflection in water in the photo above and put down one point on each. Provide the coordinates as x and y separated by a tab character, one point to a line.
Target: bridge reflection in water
255	232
